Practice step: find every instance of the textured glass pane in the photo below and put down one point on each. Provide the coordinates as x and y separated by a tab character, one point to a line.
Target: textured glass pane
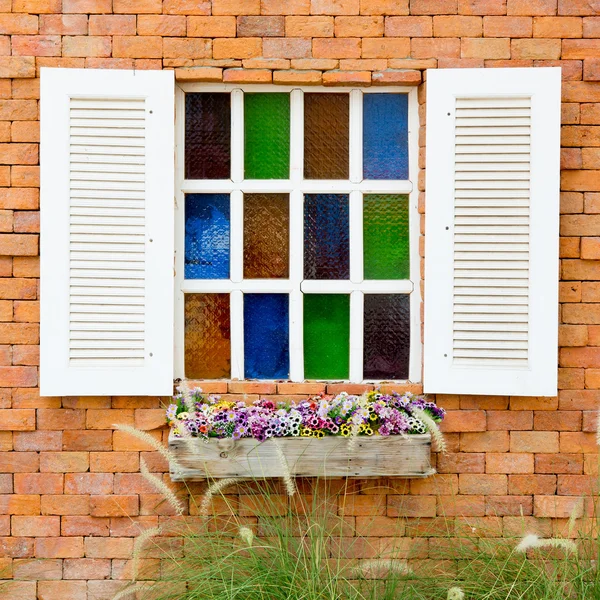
266	336
267	136
266	236
207	236
207	336
387	336
326	236
326	336
385	226
207	136
385	136
326	136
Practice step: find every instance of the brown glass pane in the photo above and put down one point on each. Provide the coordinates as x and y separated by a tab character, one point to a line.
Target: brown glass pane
207	136
207	336
266	236
326	136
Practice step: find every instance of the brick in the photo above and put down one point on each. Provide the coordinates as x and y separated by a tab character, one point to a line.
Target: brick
379	526
488	441
592	378
88	483
187	7
114	462
309	27
534	441
508	27
17	66
87	568
19	462
237	48
347	78
464	421
247	76
384	7
495	484
100	25
87	440
370	505
435	48
78	525
570	113
409	26
570	379
385	47
18	245
53	590
36	6
18	377
334	7
531	7
482	7
580	49
574	442
594	335
560	507
337	48
37	570
590	248
457	26
63	24
464	506
577	7
108	548
433	7
263	26
108	418
211	26
591	27
26	222
485	48
293	77
19	333
521	485
37	440
50	418
26	311
12	547
17	420
509	463
411	506
557	27
508	505
506	420
199	74
86	6
236	7
125	442
19	504
22	198
579	400
165	25
461	463
577	270
114	505
571	485
65	505
285	7
285	48
35	45
397	77
359	26
38	483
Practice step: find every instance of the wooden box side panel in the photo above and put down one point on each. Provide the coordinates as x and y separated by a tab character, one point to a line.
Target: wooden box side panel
396	456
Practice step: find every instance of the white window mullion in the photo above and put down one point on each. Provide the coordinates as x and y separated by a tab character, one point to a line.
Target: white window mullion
237	334
356	125
356	336
236	236
356	237
237	136
296	137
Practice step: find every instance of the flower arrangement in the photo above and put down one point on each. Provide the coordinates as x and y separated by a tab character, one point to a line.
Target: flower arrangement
193	414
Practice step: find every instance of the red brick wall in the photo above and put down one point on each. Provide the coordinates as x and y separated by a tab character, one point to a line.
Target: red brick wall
69	483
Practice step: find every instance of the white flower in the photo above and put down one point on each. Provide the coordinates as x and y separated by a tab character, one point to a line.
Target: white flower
455	593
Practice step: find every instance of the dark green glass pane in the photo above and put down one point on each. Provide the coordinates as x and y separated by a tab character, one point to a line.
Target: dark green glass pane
267	136
326	336
386	235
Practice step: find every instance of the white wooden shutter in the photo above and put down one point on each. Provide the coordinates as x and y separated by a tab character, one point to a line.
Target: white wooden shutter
491	238
107	194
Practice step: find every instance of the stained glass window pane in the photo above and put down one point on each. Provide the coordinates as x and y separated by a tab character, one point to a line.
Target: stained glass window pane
267	136
385	136
326	136
386	236
326	336
266	336
326	236
207	336
207	226
386	336
266	236
207	136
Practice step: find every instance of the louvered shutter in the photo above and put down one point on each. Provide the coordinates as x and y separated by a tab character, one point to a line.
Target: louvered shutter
107	204
491	237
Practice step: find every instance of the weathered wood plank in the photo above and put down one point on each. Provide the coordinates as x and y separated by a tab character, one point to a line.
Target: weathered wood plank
377	456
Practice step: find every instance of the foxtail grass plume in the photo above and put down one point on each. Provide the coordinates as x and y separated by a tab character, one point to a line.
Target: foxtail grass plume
138	546
575	514
246	535
154	443
290	486
432	426
532	541
598	427
455	593
129	591
215	488
382	567
186	394
167	493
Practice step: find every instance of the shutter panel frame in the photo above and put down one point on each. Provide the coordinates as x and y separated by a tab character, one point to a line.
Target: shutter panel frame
98	92
442	374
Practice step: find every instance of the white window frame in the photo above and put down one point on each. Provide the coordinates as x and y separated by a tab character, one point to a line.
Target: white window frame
296	186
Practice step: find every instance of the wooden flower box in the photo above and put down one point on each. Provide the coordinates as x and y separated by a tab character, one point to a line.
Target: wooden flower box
376	456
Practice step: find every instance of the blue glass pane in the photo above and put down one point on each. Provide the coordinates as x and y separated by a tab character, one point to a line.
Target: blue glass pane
326	236
385	136
266	336
207	236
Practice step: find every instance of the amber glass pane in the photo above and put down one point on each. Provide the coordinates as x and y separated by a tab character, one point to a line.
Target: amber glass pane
387	336
266	236
326	136
207	136
207	336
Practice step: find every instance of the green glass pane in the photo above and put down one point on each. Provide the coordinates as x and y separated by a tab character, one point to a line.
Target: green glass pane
326	336
386	244
267	136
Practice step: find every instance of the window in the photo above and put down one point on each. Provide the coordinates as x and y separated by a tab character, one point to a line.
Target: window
297	234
